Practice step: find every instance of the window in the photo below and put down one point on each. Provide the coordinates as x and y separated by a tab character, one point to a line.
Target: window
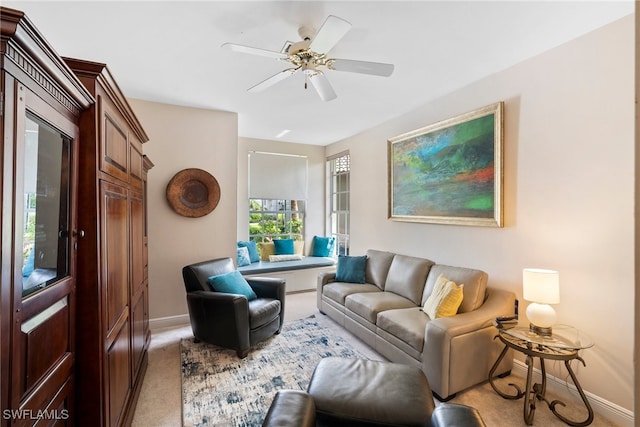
277	194
339	169
275	219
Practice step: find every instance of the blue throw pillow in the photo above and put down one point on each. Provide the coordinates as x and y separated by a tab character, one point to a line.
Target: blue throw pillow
254	256
323	246
283	247
232	283
351	269
243	257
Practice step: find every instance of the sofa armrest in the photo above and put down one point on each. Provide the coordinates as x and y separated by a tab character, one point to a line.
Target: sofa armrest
293	408
325	277
219	317
497	303
459	350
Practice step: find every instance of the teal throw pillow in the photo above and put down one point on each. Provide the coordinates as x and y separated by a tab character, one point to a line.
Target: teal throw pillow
351	269
243	257
232	283
323	246
251	246
283	247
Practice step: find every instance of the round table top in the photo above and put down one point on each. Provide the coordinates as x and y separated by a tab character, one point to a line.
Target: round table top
564	337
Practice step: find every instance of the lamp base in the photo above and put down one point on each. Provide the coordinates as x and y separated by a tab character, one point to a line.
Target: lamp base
540	330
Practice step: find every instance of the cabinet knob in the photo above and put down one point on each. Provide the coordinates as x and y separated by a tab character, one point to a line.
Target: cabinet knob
78	233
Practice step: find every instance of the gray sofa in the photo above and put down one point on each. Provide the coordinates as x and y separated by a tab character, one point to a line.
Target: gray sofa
385	312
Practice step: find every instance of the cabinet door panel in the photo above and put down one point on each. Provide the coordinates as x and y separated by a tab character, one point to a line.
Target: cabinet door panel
115	251
119	374
135	161
42	336
114	158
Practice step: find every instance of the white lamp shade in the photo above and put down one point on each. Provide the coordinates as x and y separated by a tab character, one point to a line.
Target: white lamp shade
541	286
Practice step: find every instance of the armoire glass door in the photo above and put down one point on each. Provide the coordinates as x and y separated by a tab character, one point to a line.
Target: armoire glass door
46	206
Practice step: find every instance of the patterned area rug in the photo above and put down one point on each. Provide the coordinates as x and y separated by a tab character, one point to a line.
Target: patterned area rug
218	389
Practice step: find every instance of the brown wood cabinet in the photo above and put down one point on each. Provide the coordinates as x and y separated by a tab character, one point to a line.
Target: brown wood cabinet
112	286
41	102
74	316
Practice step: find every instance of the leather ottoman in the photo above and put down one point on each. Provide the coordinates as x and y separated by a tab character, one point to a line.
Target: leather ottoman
358	391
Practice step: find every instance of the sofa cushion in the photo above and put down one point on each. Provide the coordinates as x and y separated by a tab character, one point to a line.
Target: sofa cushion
369	304
407	277
338	291
407	324
351	269
378	263
361	392
475	284
263	311
445	299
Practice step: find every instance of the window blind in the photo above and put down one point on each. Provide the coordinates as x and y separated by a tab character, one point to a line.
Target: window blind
277	176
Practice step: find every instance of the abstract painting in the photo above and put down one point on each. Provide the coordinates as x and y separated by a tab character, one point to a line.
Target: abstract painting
449	172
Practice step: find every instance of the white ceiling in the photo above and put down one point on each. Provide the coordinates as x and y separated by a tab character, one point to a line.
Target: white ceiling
169	51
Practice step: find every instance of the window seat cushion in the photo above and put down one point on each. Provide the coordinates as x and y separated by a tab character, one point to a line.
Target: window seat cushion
270	267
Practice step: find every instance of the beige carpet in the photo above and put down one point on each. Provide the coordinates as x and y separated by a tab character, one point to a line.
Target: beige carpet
160	401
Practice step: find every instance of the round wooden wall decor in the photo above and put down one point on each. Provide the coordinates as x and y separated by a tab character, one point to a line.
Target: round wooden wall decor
193	193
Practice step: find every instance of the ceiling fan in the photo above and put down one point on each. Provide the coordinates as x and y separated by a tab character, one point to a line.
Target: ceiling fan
310	57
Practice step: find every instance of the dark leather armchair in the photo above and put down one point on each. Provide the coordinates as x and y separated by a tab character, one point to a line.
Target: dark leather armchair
230	320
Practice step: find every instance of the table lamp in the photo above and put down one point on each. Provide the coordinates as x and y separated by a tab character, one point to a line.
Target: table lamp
541	287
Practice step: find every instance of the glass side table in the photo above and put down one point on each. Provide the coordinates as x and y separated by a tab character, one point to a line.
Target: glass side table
564	344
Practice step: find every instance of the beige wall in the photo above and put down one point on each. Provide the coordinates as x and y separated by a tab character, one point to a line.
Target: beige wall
568	192
181	138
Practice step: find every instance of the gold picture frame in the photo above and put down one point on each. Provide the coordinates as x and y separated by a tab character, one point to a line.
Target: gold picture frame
450	172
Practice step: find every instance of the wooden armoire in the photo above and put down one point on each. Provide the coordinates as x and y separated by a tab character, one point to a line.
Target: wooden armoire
41	101
74	318
112	288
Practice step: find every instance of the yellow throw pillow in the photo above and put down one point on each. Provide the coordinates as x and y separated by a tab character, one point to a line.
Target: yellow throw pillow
266	249
444	300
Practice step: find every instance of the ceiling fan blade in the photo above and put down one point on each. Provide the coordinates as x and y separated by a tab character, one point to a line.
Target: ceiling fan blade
329	34
363	67
255	51
273	80
322	86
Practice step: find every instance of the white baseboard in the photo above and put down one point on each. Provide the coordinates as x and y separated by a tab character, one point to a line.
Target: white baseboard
611	411
169	322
